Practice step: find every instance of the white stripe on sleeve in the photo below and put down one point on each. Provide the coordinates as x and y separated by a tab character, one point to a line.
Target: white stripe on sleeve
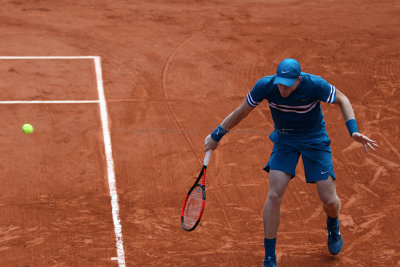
251	102
332	94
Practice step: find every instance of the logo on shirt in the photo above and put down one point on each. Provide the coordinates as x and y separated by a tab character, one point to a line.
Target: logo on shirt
305	99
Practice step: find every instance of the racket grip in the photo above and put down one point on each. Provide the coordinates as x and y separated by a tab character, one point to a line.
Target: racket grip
207	157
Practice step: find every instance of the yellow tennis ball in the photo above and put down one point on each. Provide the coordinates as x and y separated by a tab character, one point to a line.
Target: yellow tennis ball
27	128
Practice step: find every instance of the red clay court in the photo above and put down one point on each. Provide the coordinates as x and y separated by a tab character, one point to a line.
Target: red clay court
121	95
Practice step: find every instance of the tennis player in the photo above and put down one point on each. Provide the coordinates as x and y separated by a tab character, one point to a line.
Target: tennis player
294	98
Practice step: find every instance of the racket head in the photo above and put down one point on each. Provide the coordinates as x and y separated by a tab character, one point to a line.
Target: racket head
194	203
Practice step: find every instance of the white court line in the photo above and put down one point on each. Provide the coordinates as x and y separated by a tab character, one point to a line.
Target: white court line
49	57
110	164
107	143
49	102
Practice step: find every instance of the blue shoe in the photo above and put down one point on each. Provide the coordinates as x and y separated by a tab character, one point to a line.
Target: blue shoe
270	262
335	241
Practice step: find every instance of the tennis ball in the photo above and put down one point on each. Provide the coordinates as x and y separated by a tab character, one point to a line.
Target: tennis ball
27	128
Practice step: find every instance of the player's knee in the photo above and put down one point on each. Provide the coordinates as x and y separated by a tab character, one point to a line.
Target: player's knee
331	203
274	198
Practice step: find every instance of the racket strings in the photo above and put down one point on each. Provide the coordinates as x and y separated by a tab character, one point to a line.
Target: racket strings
193	207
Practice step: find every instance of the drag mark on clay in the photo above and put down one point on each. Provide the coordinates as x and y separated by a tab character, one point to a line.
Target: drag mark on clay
352	146
370	234
393	148
353	200
369	191
315	214
366	224
164	85
347	221
377	175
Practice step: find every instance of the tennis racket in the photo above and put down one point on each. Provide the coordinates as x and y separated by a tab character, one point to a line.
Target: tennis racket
195	200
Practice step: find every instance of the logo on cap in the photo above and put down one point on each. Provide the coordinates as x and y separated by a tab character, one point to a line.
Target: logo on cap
287	73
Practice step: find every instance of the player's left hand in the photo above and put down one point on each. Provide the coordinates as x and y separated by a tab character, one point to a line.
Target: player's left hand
365	141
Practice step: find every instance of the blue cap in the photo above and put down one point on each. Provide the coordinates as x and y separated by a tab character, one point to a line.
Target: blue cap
288	72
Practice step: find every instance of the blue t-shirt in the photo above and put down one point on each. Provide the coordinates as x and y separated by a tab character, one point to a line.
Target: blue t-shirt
299	114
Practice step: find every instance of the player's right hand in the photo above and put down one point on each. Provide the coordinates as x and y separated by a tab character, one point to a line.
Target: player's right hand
210	143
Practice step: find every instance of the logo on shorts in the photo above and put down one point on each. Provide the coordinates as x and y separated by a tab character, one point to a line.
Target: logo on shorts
324	172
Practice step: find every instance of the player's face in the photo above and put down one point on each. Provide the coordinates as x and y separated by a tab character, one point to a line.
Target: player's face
286	91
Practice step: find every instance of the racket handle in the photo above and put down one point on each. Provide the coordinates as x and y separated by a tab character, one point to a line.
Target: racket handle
207	157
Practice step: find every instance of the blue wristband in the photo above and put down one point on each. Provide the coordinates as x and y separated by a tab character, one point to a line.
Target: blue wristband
218	133
352	126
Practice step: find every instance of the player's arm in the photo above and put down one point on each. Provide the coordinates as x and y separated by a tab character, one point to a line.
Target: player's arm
236	116
349	118
229	122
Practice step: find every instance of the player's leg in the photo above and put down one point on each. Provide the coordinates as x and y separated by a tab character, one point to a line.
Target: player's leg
331	205
278	182
318	168
281	168
327	194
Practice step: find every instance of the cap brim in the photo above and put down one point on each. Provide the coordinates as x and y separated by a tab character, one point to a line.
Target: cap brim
284	81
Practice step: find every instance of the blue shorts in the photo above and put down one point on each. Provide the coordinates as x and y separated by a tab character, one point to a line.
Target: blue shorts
317	159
